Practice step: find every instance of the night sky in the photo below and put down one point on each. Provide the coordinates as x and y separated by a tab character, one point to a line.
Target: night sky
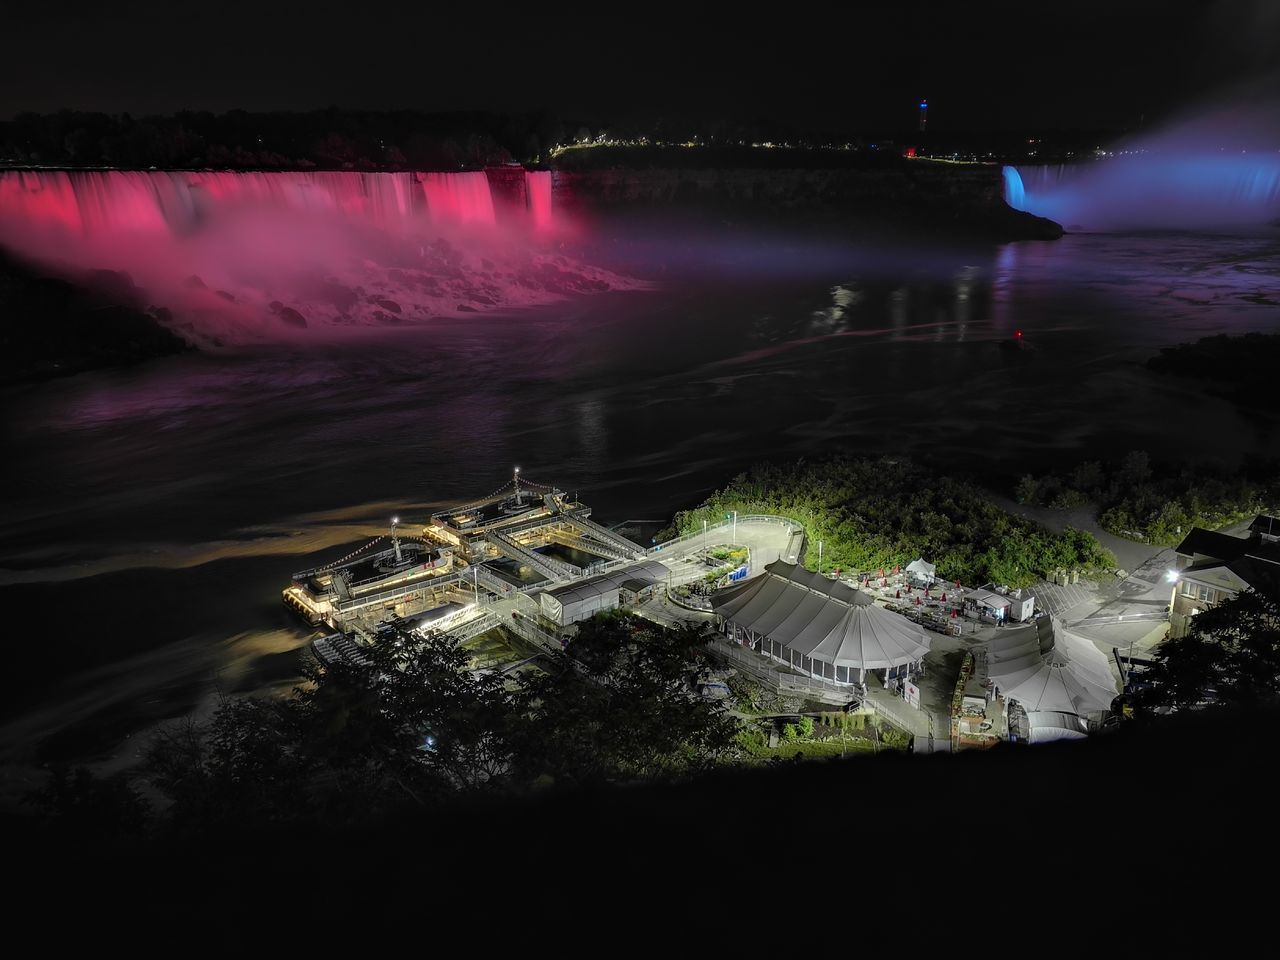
992	66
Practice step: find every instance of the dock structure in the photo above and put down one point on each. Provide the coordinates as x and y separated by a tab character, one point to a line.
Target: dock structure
523	537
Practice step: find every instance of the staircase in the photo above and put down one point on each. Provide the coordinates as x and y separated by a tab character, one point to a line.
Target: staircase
587	545
625	549
547	566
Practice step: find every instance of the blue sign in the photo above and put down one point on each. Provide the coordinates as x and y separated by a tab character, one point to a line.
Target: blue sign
739	574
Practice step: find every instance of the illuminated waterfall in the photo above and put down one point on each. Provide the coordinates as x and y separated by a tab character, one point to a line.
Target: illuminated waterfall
1156	190
458	197
538	195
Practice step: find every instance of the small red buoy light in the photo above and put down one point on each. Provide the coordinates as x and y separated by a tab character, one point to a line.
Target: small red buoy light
1017	334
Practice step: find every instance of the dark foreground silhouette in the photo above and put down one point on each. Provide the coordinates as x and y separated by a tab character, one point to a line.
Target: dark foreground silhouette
1142	837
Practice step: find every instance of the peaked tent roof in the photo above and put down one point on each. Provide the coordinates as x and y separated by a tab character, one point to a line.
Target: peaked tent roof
822	619
1074	677
922	567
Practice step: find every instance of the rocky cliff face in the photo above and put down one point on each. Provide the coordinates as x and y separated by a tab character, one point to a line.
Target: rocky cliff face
54	326
963	197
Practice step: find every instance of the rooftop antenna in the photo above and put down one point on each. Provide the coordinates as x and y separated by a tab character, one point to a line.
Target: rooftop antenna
516	480
394	541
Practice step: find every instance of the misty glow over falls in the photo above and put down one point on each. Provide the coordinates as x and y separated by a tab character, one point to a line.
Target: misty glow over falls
227	258
1151	190
88	201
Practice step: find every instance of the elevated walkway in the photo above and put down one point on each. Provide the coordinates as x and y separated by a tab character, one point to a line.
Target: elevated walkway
350	604
492	582
567	539
547	566
473	628
623	548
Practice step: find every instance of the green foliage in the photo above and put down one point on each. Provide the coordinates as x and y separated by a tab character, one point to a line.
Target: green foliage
874	513
1159	504
751	740
415	725
805	727
789	732
619	704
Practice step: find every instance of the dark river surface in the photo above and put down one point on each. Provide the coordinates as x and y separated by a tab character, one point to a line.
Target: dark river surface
153	515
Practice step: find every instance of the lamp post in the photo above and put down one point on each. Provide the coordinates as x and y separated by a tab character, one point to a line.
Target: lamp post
704	540
735	528
819	556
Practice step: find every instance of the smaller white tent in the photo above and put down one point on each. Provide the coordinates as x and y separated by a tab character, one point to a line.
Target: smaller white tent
921	571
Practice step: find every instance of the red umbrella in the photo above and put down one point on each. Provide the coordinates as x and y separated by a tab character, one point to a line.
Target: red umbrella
882	571
953	612
944	598
917	601
897	594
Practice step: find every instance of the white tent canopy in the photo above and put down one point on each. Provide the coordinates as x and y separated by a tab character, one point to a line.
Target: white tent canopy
922	570
1047	726
1074	677
822	619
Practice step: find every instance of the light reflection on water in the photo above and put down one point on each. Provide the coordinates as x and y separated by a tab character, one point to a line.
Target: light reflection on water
642	401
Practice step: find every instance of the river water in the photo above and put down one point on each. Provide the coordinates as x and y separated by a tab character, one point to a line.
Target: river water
154	514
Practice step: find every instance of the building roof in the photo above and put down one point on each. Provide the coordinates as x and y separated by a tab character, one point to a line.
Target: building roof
822	619
1265	525
1211	543
1257	572
989	598
1254	560
645	572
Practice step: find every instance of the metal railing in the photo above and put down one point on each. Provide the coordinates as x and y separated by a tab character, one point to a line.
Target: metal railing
547	566
795	527
527	629
473	627
606	536
761	669
392	593
1153	617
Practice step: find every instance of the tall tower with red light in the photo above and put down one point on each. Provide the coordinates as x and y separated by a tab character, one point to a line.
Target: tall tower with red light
924	114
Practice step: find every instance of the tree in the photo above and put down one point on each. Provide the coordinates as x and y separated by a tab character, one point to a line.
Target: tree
406	727
621	703
1231	654
89	807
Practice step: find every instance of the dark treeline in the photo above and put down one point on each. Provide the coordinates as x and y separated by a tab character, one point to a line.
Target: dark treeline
335	139
1159	503
323	139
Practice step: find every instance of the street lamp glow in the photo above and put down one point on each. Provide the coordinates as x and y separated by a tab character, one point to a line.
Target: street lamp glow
1171	576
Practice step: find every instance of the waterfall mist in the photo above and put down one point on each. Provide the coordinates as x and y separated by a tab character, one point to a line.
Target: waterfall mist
235	257
1218	166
